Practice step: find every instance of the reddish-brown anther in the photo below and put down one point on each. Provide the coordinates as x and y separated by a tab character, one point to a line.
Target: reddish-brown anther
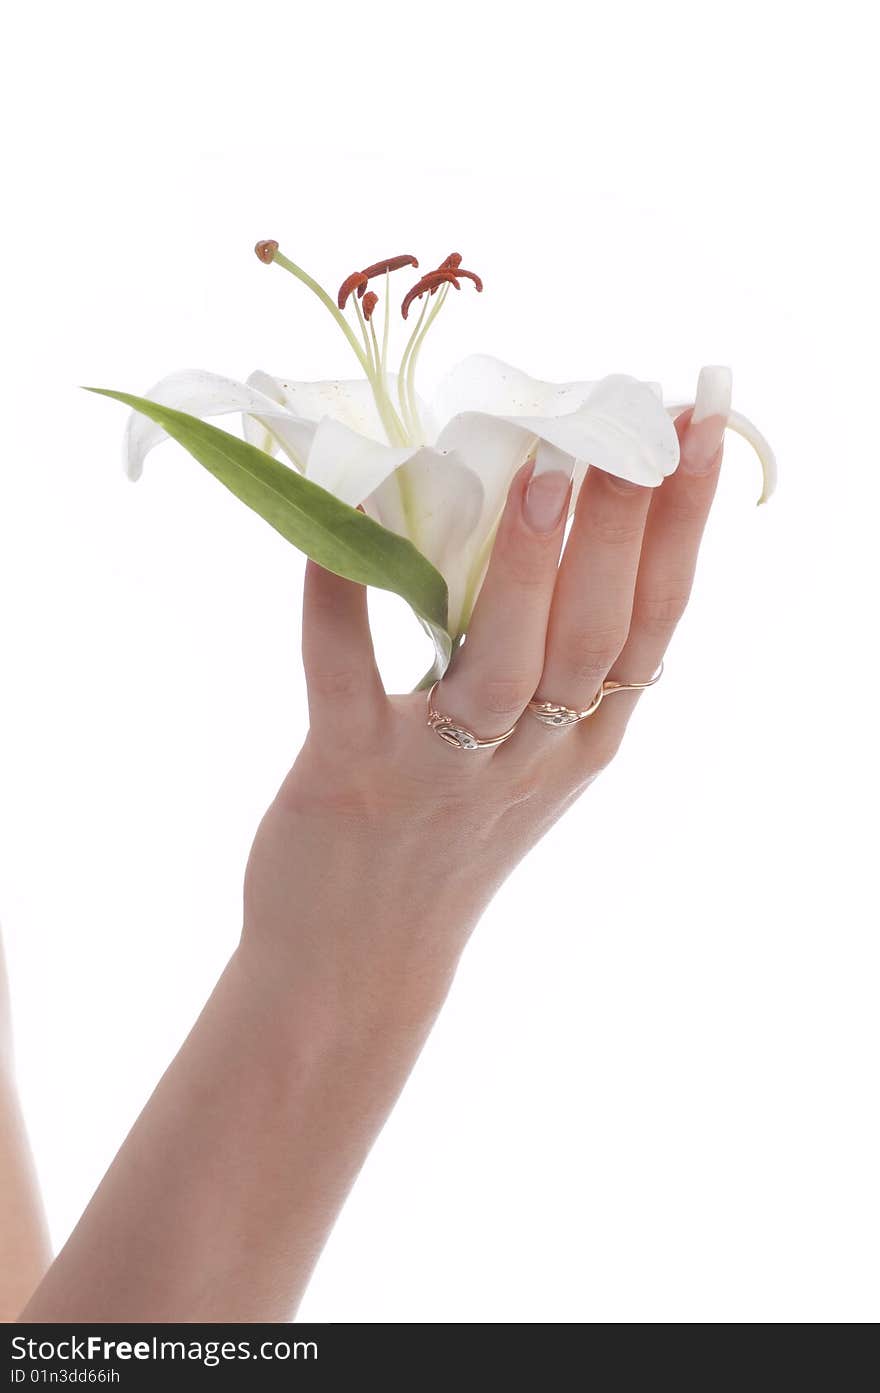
266	251
471	275
357	280
391	263
429	282
432	281
452	263
371	300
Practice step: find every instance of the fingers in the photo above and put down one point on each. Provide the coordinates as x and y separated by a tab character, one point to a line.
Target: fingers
346	696
676	521
495	673
590	616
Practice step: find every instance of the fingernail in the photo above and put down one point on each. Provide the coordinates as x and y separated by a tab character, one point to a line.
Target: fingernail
705	431
546	497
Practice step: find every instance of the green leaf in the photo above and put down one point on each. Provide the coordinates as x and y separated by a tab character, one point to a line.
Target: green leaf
337	536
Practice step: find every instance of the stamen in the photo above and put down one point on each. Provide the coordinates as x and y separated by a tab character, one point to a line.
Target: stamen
373	358
391	263
401	371
432	281
471	275
452	263
357	280
367	355
385	329
418	340
447	274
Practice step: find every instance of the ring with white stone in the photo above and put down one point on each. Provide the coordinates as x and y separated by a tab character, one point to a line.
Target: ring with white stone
452	732
552	713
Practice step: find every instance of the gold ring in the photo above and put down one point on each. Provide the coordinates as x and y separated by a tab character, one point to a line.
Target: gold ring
452	732
552	713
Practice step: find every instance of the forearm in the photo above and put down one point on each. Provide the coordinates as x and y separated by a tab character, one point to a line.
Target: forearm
24	1242
223	1194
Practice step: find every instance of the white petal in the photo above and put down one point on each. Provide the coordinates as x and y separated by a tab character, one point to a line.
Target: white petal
483	383
350	402
351	465
741	425
436	501
617	424
492	449
199	393
622	428
430	497
293	434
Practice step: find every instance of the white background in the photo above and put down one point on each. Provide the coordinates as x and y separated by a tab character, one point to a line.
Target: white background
652	1096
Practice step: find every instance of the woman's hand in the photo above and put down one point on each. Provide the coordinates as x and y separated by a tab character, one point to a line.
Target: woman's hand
367	874
384	844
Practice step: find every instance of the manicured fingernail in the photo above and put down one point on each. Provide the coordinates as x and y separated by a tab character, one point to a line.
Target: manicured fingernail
546	496
705	432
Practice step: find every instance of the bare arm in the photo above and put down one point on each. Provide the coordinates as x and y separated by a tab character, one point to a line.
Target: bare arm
24	1242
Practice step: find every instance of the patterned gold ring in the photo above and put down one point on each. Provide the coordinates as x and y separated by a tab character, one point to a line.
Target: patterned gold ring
552	713
452	732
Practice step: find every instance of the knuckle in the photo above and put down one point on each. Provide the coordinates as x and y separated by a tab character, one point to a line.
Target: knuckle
686	509
616	515
659	614
526	559
504	696
624	488
592	653
614	529
329	684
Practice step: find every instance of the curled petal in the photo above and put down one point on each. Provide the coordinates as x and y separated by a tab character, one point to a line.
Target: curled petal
289	431
201	394
713	398
762	448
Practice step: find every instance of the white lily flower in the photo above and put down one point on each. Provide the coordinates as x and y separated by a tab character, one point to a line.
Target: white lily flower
437	475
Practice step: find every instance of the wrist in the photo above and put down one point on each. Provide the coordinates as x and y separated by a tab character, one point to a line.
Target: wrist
317	1017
